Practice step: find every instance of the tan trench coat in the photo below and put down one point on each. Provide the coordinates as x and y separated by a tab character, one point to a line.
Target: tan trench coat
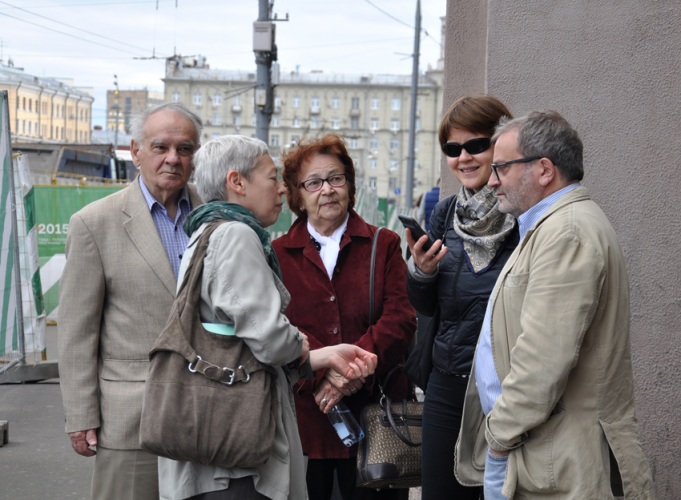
560	341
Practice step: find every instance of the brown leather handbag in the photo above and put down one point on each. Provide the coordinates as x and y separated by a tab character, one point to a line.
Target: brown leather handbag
207	399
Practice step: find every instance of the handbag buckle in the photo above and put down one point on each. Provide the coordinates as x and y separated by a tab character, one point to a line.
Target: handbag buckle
193	369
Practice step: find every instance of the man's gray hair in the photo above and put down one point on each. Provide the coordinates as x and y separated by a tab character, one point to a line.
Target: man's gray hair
138	120
548	135
220	155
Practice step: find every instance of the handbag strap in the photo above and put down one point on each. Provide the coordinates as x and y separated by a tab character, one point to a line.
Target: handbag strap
372	275
387	407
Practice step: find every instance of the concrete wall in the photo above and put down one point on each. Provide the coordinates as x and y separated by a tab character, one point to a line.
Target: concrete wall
613	69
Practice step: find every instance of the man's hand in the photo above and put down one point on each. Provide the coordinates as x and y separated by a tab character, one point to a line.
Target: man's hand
346	386
348	360
82	440
496	453
425	261
326	396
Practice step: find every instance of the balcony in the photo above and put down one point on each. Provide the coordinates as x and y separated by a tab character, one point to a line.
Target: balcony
236	108
355	112
314	110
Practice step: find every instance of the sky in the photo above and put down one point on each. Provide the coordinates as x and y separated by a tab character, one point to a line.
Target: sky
90	41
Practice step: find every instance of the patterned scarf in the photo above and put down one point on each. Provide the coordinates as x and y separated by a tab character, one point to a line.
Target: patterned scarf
481	226
221	210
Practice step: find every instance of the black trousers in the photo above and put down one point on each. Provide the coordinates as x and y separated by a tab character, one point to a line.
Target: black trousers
441	423
320	474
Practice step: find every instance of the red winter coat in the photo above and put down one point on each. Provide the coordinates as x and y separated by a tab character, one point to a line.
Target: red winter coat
336	311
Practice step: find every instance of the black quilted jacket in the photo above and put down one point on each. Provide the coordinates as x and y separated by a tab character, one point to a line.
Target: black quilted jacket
460	293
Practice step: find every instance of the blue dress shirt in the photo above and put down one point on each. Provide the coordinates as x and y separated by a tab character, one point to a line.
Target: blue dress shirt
489	385
172	235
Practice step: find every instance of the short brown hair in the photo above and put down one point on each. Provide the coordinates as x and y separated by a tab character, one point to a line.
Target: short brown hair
478	114
293	161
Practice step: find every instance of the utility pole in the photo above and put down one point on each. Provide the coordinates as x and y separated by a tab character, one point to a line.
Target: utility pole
117	107
265	52
409	199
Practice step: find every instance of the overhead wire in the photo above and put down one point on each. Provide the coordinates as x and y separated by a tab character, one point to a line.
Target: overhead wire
66	34
52	6
402	22
72	27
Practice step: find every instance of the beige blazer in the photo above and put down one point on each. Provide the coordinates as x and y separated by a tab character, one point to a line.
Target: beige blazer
560	341
114	299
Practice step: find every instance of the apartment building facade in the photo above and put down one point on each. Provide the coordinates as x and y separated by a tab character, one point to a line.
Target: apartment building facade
46	109
130	102
371	112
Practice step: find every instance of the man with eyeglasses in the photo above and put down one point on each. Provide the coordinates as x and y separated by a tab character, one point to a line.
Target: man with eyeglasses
550	412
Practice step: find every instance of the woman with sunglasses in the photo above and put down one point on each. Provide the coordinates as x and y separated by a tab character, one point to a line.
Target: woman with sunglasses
453	280
325	261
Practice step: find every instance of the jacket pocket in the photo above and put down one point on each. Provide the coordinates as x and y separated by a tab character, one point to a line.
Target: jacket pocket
513	294
536	460
124	370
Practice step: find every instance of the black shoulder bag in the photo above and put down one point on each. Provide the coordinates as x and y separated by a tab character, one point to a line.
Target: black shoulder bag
390	454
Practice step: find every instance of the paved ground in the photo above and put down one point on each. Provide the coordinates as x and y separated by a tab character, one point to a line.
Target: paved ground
38	462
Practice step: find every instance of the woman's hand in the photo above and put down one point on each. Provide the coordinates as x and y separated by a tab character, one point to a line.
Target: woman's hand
346	386
326	396
348	360
306	350
426	261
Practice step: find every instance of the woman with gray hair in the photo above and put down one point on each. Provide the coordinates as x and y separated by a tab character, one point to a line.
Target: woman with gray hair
242	289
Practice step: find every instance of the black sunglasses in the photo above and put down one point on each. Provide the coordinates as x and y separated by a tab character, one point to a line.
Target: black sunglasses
474	147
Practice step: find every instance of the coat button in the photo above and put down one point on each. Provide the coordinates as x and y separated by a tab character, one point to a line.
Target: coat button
335	331
333	298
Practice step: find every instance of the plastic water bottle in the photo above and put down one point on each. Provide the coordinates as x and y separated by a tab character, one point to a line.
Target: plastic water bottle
345	424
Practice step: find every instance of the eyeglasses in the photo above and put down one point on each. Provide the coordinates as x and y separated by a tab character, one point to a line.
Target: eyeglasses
496	166
474	147
313	185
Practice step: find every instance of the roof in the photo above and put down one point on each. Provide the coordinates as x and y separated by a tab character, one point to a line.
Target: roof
9	75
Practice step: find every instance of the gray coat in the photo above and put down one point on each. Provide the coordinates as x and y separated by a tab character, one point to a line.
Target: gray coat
240	289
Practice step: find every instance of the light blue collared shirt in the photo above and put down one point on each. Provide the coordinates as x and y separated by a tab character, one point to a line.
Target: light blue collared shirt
489	385
172	235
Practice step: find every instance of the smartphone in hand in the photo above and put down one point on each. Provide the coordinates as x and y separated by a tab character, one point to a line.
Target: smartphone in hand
416	230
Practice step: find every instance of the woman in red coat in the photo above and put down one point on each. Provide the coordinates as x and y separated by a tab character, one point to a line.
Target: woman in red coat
325	261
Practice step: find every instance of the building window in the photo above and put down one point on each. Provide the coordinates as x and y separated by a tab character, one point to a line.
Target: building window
394	125
176	97
217	120
393	164
396	105
416	144
296	122
375	103
254	120
274	140
216	135
374	124
29	127
236	101
335	123
394	143
275	121
417	125
355	103
373	144
335	102
416	164
314	122
296	102
315	103
217	99
373	163
24	106
392	182
236	120
372	182
197	99
295	139
277	104
354	144
354	122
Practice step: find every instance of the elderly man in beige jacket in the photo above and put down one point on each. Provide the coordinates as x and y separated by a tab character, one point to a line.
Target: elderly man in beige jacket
549	412
123	255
